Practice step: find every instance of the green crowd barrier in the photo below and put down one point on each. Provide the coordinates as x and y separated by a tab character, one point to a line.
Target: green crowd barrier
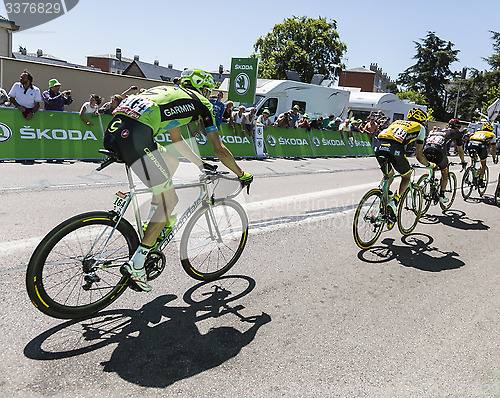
63	135
49	135
281	142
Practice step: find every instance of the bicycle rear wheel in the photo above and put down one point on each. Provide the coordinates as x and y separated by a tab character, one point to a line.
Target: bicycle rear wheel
409	209
214	239
369	219
451	191
75	270
425	185
467	183
486	178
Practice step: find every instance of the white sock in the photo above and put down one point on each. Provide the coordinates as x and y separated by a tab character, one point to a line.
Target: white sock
139	257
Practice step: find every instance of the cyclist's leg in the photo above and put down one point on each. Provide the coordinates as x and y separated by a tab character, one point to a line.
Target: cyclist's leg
384	157
402	166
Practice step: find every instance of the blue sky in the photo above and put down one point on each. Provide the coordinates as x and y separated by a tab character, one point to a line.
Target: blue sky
381	32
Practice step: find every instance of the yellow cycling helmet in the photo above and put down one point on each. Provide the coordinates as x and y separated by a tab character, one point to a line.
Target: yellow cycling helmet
417	115
487	127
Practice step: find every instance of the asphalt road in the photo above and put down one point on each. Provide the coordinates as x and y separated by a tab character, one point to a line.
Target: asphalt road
307	313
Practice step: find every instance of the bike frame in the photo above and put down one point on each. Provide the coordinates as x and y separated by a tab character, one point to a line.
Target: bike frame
203	197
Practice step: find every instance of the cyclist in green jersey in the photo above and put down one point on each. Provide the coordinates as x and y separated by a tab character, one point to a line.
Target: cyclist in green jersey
137	120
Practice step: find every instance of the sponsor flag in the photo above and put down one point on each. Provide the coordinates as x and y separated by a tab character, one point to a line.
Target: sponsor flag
243	80
494	110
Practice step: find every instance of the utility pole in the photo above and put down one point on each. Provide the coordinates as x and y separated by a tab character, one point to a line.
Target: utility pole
462	76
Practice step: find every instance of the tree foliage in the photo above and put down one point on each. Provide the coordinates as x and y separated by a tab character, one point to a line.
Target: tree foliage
413	96
494	60
306	45
431	72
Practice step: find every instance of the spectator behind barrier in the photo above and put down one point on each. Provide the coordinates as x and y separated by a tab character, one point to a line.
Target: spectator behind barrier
55	99
227	116
294	113
250	121
317	124
218	107
264	119
25	96
115	100
303	122
239	119
90	107
334	123
284	120
4	98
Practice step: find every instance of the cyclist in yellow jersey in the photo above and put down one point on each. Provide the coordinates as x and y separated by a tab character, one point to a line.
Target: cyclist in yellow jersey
391	145
479	142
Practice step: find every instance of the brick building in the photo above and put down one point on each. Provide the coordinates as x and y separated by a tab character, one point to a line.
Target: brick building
371	80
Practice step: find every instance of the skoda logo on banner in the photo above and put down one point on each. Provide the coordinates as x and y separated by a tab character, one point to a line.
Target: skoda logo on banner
350	142
271	140
316	141
200	139
5	133
241	83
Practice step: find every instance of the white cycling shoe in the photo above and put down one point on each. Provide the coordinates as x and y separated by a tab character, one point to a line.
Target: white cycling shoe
138	276
443	199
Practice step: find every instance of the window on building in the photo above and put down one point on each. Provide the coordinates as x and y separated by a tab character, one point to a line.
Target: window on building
271	104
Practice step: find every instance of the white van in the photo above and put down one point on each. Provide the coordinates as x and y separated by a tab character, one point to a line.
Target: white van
281	95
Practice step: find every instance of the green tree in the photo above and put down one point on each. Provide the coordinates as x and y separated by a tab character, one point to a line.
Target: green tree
413	96
494	60
303	44
431	72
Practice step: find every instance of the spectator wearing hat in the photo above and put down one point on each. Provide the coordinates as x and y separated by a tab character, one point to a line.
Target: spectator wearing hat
239	118
264	119
345	129
303	123
356	125
55	99
25	96
294	113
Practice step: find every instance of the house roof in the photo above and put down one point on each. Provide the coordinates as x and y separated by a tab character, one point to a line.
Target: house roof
110	56
49	59
155	72
5	21
360	70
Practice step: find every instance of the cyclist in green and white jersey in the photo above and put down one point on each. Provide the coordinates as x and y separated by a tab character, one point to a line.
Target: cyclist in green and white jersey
137	120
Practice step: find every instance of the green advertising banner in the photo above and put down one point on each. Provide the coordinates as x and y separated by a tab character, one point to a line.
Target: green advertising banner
49	135
328	143
360	145
243	80
281	142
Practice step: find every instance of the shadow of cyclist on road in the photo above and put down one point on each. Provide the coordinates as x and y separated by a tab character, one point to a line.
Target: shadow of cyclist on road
416	253
456	219
161	343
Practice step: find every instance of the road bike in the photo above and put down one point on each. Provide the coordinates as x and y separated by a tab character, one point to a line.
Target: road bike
431	187
373	212
75	270
497	192
470	180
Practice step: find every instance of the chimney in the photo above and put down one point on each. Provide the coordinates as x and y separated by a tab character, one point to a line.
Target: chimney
170	66
119	53
156	62
39	53
136	58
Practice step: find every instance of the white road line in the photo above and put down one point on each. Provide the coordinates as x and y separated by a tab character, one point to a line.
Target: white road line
13	247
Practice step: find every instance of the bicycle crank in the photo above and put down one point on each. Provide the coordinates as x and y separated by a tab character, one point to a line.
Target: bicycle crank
155	264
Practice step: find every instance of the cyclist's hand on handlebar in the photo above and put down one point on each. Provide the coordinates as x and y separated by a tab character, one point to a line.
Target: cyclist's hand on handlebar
432	165
208	166
464	165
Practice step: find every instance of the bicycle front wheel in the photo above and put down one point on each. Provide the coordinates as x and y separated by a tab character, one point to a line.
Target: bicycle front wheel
467	183
497	194
409	209
369	219
486	178
451	191
425	185
214	239
75	270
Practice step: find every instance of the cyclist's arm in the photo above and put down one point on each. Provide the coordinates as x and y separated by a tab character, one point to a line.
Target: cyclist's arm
461	153
181	145
493	150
